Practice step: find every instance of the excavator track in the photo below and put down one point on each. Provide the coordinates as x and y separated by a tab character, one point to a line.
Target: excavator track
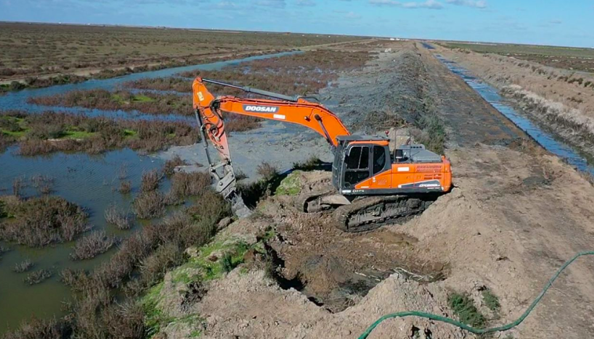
367	214
310	202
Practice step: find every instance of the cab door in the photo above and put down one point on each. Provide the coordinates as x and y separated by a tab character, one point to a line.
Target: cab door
381	174
356	165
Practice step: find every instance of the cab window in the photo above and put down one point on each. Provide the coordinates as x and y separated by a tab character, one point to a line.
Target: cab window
379	159
357	165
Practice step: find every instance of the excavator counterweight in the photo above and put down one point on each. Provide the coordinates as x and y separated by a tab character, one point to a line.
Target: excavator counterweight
372	182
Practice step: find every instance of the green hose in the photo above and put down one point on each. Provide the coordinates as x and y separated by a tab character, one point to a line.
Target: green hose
470	328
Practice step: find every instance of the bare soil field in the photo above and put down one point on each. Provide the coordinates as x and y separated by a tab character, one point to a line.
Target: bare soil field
560	100
57	54
514	216
570	58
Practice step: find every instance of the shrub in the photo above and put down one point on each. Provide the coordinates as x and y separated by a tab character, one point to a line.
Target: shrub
464	308
92	245
42	221
17	187
170	165
46	131
125	187
184	185
210	208
154	267
43	183
37	277
267	171
148	205
38	328
150	181
118	218
23	266
124	320
308	165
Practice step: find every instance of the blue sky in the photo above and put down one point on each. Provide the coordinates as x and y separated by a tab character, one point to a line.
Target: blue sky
553	22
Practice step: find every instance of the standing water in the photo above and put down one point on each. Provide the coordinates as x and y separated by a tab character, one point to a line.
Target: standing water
88	181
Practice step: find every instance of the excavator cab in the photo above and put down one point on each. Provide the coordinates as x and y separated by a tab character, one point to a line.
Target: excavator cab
366	166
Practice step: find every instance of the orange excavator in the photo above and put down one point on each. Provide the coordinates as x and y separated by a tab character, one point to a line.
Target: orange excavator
374	181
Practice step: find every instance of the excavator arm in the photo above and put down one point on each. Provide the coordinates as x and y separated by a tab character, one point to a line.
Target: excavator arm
297	110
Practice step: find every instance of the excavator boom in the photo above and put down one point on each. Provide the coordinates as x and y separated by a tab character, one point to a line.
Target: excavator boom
297	110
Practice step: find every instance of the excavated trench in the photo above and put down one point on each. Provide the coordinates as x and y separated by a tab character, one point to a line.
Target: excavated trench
334	269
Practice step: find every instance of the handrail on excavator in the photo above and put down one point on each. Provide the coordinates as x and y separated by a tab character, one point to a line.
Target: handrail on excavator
248	89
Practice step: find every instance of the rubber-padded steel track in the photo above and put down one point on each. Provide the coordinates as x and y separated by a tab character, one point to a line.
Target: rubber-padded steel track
309	202
369	213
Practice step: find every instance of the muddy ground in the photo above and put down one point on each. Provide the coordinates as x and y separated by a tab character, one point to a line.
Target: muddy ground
515	214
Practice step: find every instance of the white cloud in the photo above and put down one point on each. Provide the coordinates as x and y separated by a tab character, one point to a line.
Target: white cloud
431	4
469	3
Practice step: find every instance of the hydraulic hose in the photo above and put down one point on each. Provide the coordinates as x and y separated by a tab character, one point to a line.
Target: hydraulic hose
470	328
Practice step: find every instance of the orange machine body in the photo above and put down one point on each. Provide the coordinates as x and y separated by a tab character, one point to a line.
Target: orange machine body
436	175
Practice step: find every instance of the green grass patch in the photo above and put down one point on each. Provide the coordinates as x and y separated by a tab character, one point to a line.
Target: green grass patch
291	185
18	134
232	252
153	315
196	270
13	126
465	310
117	98
142	98
130	133
491	300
